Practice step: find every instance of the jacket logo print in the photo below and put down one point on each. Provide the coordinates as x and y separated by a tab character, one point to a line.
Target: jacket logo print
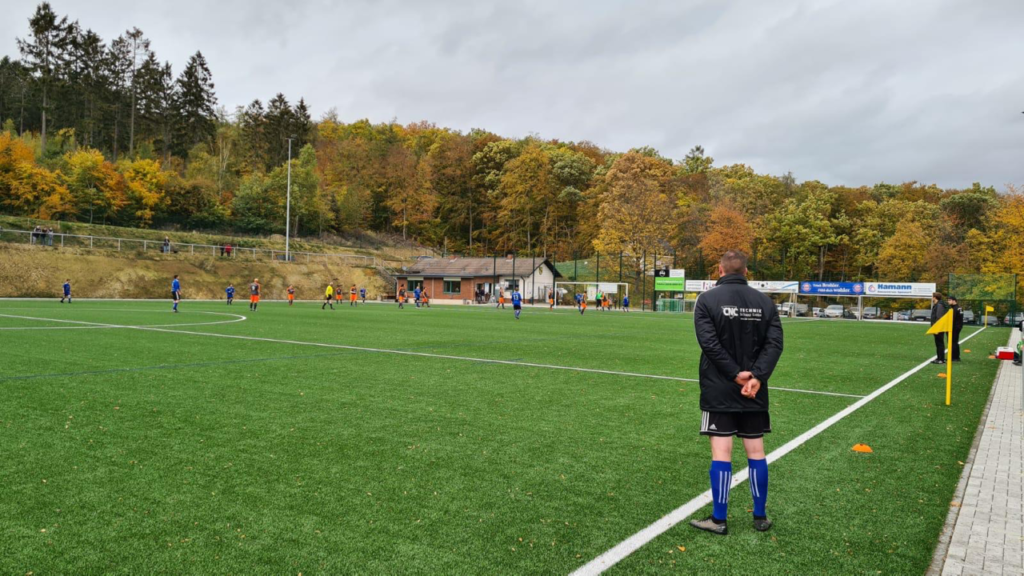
730	311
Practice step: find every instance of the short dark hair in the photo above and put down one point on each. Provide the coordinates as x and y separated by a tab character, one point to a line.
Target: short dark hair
953	298
175	275
937	295
733	262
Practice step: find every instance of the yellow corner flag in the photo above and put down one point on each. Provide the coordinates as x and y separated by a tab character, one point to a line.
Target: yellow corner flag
987	310
945	324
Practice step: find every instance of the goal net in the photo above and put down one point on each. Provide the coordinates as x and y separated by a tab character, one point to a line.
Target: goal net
565	292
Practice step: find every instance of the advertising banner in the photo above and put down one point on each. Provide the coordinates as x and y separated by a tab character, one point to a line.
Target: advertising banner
899	289
832	288
663	284
768	286
699	285
776	286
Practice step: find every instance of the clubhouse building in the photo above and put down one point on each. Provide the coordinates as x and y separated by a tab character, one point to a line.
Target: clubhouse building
476	279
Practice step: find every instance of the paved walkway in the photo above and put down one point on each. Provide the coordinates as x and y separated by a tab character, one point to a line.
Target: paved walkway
985	534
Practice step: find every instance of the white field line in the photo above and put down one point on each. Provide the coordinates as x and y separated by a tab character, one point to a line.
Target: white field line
399	352
623	549
94	325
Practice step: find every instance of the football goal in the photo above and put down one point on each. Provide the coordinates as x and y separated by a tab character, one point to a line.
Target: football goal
565	292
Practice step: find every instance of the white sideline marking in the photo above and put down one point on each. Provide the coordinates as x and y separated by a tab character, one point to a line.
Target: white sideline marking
623	549
389	351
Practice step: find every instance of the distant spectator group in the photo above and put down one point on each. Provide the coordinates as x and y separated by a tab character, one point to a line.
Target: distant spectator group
42	236
225	250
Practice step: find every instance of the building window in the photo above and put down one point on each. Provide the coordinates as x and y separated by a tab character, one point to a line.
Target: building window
414	284
453	286
512	284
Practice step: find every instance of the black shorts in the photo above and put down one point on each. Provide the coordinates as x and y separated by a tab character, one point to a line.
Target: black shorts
175	295
742	424
517	306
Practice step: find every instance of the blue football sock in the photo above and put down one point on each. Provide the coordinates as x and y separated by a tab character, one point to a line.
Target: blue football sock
721	480
759	485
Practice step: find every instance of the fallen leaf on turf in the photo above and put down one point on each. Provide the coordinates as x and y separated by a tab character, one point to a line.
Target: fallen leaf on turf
862	448
681	548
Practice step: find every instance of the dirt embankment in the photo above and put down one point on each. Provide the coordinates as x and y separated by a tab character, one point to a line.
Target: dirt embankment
34	271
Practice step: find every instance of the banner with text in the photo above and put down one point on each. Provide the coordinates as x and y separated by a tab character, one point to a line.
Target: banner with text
832	288
899	289
768	286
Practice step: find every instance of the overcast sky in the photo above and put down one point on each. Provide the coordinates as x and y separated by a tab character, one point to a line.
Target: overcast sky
847	92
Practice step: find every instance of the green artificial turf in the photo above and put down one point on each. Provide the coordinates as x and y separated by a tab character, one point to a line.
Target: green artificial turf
177	450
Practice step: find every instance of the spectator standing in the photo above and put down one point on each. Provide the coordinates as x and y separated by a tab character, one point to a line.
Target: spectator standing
228	250
740	337
938	311
167	245
49	236
958	325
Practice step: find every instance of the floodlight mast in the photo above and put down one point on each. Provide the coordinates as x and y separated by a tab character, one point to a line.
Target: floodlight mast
288	207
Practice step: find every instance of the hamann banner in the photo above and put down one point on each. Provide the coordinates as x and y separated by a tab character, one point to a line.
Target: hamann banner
899	289
833	288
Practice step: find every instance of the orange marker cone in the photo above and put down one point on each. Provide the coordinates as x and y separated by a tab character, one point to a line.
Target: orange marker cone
942	374
864	448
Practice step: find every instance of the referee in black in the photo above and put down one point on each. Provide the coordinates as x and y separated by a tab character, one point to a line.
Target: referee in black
740	337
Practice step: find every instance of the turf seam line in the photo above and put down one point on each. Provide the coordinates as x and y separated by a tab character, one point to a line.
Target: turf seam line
620	551
412	353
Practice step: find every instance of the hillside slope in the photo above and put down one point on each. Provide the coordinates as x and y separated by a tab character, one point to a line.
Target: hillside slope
31	271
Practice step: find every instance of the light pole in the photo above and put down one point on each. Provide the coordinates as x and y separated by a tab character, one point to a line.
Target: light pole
288	207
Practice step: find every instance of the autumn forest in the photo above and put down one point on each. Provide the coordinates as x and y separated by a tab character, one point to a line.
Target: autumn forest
101	130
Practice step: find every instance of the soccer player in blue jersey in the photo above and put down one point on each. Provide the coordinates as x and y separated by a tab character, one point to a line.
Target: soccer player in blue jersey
625	303
67	291
176	292
517	302
417	293
230	292
362	294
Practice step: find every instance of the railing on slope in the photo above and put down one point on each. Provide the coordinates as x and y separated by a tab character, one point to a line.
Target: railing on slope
59	239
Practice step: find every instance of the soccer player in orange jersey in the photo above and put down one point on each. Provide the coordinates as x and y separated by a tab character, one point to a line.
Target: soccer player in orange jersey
352	295
291	295
254	293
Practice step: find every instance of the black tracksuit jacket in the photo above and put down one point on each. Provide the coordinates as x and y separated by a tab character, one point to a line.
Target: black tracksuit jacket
738	329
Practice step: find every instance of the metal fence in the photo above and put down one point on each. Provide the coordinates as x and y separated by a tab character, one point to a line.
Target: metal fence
61	240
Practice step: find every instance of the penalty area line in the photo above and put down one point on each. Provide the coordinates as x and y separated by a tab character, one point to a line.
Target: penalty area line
623	549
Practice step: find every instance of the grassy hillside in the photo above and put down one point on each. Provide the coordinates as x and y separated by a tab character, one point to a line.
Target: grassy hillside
367	243
27	271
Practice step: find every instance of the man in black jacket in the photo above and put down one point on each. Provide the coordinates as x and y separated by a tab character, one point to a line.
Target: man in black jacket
740	337
938	311
958	325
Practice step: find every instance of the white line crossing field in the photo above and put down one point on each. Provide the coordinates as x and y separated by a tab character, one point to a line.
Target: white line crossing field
83	323
623	549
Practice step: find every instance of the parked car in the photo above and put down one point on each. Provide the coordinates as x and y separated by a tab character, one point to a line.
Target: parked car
902	316
1015	321
850	314
818	312
969	317
921	315
872	313
834	311
792	309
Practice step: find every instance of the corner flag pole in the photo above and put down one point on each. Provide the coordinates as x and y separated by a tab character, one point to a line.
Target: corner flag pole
949	361
945	325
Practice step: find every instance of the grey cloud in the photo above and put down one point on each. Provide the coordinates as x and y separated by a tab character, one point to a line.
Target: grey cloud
844	92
